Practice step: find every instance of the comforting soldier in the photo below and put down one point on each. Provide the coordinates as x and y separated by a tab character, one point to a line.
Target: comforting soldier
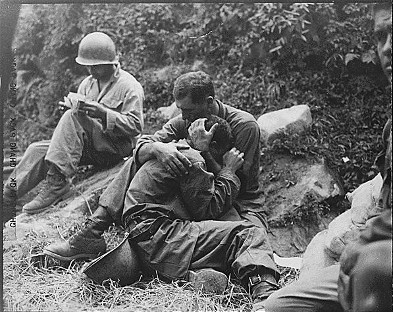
196	244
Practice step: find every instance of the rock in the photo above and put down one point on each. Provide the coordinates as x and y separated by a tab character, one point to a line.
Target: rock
72	210
168	112
292	186
286	179
291	120
327	246
292	239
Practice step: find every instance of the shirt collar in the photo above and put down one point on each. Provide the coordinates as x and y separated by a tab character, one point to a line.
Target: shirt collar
220	108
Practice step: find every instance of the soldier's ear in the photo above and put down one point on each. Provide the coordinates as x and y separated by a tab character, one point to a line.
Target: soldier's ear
210	101
213	144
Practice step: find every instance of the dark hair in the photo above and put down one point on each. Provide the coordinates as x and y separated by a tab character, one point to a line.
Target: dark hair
223	134
198	85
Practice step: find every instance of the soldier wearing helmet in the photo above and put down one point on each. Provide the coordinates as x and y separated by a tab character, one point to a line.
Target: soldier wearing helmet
101	128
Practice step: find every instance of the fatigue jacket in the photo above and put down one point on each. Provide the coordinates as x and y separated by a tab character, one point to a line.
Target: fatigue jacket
199	195
124	97
158	209
247	140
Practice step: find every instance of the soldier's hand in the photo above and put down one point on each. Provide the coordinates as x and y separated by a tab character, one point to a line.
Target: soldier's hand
93	109
171	158
199	136
233	160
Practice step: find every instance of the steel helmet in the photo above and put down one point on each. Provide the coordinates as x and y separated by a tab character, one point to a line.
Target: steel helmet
95	49
121	264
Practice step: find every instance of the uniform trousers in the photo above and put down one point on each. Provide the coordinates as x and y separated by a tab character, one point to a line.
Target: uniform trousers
369	281
172	247
77	140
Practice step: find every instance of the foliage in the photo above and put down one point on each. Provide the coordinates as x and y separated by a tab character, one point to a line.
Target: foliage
346	131
262	56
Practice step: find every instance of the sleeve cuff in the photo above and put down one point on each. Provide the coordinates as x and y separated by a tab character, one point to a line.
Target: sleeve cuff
227	174
110	120
136	151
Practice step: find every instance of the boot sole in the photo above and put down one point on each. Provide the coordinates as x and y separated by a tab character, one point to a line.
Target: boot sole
76	257
35	211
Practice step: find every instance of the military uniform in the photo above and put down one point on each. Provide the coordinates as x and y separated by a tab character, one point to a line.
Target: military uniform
158	213
79	139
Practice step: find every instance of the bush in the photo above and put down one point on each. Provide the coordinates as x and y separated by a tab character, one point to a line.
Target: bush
262	57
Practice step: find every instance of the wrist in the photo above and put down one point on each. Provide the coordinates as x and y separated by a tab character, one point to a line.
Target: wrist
229	169
201	147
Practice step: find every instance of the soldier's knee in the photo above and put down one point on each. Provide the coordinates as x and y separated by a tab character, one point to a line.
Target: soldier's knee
371	303
37	148
375	260
67	114
273	302
279	301
371	278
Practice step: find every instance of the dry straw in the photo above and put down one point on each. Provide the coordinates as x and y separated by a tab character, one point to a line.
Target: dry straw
33	282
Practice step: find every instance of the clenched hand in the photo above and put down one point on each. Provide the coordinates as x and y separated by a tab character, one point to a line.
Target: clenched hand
233	159
199	136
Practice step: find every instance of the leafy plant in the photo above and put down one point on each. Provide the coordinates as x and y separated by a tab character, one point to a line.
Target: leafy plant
262	56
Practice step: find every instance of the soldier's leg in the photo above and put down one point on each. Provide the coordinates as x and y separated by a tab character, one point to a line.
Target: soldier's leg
316	292
88	242
240	248
30	171
63	156
76	138
371	278
112	199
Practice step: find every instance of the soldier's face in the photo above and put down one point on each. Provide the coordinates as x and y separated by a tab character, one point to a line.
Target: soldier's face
192	111
383	35
101	72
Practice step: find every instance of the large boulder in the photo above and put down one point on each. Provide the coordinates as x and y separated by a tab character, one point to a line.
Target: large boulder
326	247
82	201
294	190
290	120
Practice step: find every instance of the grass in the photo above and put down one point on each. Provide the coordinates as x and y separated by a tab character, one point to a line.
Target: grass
32	282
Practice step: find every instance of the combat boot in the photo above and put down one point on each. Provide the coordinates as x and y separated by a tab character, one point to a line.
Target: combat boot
208	281
261	286
87	243
55	187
